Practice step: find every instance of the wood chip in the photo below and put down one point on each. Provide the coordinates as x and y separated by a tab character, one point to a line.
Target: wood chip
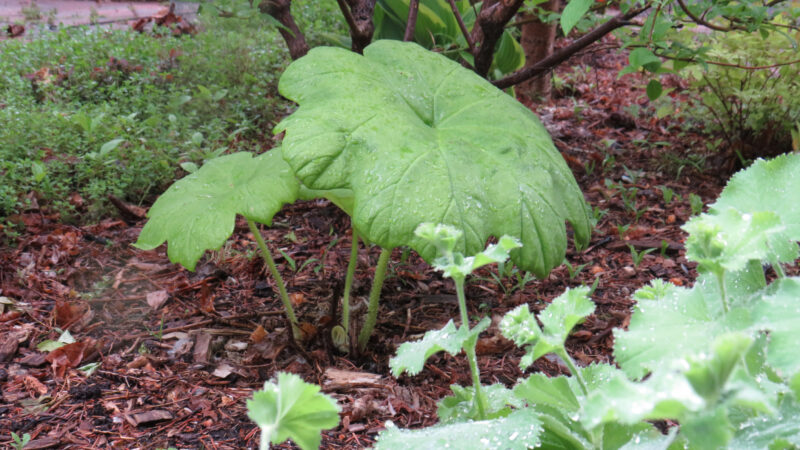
147	417
343	380
201	346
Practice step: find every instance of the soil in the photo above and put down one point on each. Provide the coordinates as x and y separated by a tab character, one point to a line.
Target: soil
179	352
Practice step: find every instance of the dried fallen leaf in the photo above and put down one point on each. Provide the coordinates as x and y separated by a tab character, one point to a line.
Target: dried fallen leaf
67	313
297	298
66	357
32	384
258	334
15	30
156	299
223	370
201	348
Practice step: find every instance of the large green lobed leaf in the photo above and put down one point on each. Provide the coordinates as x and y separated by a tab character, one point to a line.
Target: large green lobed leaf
198	212
418	138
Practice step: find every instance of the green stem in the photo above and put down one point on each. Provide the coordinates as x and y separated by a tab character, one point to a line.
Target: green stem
348	283
573	368
265	253
374	299
469	348
462	302
723	292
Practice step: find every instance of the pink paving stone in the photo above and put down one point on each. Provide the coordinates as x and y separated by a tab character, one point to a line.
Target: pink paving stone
75	12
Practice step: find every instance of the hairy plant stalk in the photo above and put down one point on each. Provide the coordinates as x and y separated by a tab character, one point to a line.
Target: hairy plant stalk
374	299
722	291
573	368
265	253
469	348
348	283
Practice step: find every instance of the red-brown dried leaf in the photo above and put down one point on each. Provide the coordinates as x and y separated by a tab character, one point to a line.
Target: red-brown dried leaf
67	313
66	357
15	30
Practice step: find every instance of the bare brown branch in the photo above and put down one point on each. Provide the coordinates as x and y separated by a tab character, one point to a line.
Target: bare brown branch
411	23
701	21
462	26
294	38
565	53
492	19
358	14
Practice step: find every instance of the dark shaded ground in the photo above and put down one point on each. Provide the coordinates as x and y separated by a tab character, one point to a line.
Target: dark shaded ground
180	352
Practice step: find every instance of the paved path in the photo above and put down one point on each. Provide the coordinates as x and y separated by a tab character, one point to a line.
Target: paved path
76	12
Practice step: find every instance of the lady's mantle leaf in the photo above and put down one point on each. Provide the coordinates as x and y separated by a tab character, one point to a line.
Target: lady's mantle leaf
292	409
460	406
766	186
558	319
665	395
683	322
757	216
761	431
411	356
519	430
198	212
418	138
454	264
779	313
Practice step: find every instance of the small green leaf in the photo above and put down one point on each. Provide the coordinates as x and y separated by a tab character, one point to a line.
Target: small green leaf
89	369
642	58
109	146
520	430
198	212
573	13
292	409
411	356
189	167
454	264
558	319
540	389
654	89
49	345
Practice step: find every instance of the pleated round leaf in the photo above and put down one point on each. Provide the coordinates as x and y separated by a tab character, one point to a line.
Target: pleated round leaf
418	138
292	409
198	212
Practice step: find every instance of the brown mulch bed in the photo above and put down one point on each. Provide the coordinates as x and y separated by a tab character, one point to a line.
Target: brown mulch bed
179	352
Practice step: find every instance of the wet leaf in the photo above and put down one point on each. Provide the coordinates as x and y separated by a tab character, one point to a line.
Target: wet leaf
418	138
519	430
411	356
198	212
292	409
558	319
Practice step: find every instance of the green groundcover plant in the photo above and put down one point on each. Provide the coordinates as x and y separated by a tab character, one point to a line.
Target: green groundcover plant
719	358
396	137
292	409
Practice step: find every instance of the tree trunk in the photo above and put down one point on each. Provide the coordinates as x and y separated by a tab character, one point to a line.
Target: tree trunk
294	38
537	41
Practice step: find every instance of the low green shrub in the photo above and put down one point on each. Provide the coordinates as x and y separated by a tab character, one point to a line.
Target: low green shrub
754	110
94	112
